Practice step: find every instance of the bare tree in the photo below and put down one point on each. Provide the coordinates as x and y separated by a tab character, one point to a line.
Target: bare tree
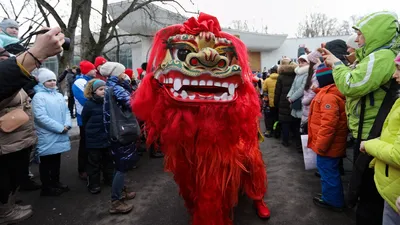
319	25
68	29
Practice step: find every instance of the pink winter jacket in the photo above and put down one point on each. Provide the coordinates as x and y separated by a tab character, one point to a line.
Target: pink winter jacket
307	98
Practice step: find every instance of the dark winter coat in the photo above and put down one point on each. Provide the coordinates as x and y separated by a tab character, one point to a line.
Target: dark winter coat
124	156
92	119
283	85
12	78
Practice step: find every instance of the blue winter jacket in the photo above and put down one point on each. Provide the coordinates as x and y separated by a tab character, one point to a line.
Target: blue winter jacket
78	89
124	156
92	119
51	114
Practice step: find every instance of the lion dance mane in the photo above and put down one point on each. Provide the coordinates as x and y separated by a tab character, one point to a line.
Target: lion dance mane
197	100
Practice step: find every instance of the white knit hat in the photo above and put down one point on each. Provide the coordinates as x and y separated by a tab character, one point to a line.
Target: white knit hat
351	42
112	69
44	74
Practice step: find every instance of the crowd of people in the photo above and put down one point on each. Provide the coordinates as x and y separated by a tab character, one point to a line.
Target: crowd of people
344	90
340	90
35	121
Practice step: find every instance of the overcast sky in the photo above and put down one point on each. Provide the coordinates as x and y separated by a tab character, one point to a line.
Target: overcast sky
281	16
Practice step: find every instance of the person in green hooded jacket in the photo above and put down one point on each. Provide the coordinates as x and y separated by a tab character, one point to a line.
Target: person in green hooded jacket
378	41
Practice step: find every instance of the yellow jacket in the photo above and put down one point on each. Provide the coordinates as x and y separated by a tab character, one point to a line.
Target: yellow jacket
269	87
386	151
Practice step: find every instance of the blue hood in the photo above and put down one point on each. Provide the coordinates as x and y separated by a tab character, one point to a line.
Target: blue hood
41	88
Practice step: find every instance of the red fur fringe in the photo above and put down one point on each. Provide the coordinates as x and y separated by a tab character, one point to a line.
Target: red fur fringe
212	149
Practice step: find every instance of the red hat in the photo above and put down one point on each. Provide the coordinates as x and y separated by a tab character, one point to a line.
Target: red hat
139	71
99	61
86	67
129	72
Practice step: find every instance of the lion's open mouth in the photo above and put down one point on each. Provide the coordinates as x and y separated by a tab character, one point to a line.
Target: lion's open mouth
203	88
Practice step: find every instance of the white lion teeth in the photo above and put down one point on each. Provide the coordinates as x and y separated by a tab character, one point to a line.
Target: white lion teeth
231	89
224	96
184	94
177	84
186	82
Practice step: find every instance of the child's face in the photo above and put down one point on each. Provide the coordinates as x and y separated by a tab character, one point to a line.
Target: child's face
100	91
396	74
50	83
12	31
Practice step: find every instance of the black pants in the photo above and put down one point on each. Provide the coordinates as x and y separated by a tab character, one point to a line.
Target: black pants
71	104
82	153
13	169
270	117
370	207
49	169
99	160
294	128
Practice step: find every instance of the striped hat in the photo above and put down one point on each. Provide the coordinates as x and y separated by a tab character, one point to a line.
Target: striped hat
324	75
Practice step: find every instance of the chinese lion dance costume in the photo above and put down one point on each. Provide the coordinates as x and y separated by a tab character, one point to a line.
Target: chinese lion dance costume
198	102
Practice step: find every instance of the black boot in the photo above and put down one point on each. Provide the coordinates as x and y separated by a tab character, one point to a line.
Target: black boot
30	185
61	186
51	191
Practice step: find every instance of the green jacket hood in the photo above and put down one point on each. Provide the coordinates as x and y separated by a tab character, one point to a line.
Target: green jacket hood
380	30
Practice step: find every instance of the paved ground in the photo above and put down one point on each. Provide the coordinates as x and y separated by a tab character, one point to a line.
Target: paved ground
290	193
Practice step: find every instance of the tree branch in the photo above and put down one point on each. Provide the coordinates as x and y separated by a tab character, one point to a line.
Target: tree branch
53	12
180	6
111	36
104	13
123	43
13	9
26	2
125	13
5	11
44	15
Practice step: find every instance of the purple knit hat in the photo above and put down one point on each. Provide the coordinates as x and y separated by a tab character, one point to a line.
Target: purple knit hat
314	56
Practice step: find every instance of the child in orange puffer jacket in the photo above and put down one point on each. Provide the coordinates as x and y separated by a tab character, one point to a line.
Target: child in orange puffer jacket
327	137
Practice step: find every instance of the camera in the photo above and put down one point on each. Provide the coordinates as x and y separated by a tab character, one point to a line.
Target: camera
19	47
67	41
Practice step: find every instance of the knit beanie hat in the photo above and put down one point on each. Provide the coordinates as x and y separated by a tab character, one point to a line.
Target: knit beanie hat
397	59
338	48
112	69
86	67
304	57
351	42
314	56
98	83
129	72
44	74
99	61
6	23
324	75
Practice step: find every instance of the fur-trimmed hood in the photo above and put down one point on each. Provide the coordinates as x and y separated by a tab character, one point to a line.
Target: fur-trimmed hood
287	69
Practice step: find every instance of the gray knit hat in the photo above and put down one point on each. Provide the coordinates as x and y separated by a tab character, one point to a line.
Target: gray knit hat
6	23
97	84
